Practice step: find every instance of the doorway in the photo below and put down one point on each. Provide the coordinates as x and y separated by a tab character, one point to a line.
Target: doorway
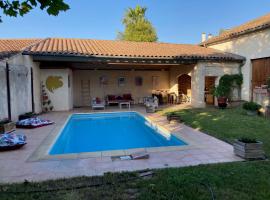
184	88
85	93
208	90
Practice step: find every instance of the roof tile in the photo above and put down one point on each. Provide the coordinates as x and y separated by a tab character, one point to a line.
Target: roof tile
249	27
10	47
116	48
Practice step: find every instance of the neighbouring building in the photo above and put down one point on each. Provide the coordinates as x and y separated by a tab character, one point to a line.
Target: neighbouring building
251	40
70	72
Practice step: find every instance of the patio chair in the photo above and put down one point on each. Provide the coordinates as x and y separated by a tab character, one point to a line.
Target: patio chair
152	102
97	103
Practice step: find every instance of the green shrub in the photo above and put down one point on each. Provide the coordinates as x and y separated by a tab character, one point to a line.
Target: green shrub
226	84
4	121
252	106
248	140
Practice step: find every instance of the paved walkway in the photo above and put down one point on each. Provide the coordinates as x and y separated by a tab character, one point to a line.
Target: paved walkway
16	166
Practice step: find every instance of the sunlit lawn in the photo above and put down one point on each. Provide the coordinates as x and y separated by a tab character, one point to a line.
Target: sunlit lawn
228	124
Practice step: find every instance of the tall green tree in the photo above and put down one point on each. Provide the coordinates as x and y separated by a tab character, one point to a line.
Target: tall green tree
137	27
14	8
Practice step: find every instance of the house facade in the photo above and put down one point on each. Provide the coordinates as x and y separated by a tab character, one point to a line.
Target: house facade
251	40
68	73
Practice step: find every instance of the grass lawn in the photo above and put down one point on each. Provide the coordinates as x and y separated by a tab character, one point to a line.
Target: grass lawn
240	180
228	124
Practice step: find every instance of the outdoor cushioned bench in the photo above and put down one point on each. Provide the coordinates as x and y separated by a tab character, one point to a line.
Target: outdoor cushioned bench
116	99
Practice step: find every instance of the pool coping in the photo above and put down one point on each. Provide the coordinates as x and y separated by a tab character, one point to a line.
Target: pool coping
42	152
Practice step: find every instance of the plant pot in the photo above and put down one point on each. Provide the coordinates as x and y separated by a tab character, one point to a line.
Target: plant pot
222	102
249	150
27	116
150	109
252	112
7	127
171	117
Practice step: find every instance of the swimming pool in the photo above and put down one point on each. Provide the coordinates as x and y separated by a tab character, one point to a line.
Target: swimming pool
110	131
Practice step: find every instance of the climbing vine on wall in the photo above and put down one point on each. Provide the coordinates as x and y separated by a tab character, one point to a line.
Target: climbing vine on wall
227	83
46	102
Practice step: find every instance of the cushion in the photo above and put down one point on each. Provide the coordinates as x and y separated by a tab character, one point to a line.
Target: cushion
119	98
111	97
127	97
98	101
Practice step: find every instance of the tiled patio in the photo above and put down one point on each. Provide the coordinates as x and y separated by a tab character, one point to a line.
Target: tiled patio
23	164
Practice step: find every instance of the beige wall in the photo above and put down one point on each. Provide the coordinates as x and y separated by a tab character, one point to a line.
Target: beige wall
255	45
112	87
61	97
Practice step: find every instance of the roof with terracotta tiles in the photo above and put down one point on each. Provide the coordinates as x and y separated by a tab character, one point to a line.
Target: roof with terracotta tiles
246	28
10	47
125	49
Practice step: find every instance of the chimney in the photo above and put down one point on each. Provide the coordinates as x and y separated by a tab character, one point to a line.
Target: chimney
209	36
203	37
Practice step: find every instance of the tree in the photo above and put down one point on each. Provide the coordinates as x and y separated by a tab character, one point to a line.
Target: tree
16	7
137	27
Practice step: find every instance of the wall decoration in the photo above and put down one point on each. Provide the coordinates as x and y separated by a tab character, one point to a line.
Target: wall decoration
46	102
103	80
121	81
53	83
138	81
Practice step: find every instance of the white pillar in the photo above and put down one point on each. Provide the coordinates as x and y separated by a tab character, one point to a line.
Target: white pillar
197	86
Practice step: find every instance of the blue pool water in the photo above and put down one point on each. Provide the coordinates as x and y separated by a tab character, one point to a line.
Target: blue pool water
109	131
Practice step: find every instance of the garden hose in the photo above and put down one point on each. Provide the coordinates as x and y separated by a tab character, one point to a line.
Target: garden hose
205	183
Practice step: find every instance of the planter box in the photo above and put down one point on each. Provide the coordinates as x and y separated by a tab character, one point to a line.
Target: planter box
27	116
150	109
8	127
252	112
173	117
249	150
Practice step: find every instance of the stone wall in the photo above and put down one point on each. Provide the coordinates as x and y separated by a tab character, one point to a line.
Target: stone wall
203	69
20	86
3	91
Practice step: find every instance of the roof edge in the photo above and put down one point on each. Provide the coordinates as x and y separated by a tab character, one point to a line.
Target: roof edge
217	40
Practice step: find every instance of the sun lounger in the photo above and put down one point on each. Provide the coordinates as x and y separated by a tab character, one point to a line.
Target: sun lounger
34	122
11	141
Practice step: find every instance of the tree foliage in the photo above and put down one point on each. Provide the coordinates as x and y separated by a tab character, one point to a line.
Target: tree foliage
20	8
137	27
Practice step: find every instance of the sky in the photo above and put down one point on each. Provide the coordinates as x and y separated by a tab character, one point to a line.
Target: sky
176	21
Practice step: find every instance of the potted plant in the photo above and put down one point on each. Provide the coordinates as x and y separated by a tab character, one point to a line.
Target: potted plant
224	89
173	116
221	92
6	126
248	148
26	115
252	108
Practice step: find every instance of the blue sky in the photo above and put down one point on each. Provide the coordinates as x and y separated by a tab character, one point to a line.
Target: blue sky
176	21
